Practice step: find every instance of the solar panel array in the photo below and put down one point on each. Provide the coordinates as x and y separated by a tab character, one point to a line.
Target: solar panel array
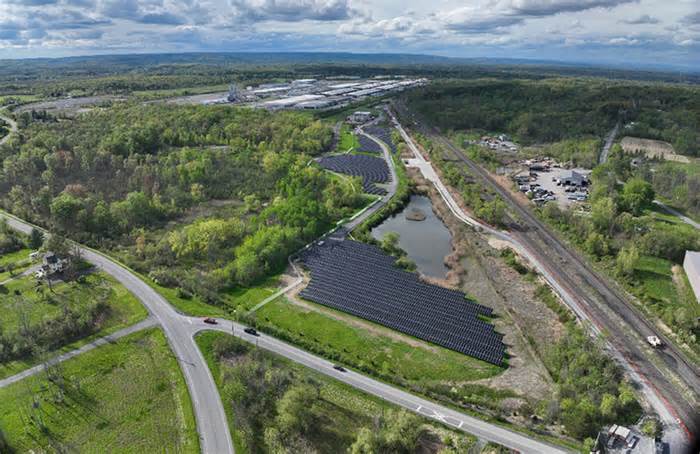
383	134
372	170
368	145
362	280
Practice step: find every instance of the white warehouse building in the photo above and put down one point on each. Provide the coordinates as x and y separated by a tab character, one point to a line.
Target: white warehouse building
691	265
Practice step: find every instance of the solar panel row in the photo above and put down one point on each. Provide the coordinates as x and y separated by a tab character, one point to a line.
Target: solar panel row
368	145
383	134
362	280
372	170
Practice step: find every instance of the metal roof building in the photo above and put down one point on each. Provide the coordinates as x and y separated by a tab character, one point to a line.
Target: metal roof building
691	265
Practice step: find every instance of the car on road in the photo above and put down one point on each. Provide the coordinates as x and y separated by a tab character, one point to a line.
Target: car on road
211	321
339	368
251	331
654	341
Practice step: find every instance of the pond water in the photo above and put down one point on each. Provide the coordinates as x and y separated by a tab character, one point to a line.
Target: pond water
426	242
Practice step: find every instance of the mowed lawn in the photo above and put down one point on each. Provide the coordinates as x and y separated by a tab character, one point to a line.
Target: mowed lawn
347	140
127	397
371	348
22	302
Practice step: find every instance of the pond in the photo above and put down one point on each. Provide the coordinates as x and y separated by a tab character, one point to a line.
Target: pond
426	242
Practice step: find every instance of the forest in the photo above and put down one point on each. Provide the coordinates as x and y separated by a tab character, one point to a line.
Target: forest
552	110
177	184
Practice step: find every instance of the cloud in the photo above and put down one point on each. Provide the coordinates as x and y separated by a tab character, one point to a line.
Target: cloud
293	10
623	41
552	7
691	19
644	19
164	18
68	19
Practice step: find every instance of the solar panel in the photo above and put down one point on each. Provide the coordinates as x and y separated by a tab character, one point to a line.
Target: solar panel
362	280
372	170
383	134
368	145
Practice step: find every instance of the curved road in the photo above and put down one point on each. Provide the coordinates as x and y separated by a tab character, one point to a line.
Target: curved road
13	128
211	418
212	426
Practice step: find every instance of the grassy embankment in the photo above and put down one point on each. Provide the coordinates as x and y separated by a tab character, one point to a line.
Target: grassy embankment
129	396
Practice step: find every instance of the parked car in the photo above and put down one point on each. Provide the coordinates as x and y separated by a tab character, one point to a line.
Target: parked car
251	331
211	321
339	368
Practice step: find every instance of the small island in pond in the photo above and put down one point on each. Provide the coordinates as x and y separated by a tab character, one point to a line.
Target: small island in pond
415	215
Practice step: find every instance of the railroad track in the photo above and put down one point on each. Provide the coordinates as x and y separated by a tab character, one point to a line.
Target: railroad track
604	306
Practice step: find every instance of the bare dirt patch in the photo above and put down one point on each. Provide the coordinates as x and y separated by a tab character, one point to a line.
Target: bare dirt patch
476	268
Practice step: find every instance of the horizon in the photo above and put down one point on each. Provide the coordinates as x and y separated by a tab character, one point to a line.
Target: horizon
439	59
618	33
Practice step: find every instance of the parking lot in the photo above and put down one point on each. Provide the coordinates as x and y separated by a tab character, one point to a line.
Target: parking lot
545	187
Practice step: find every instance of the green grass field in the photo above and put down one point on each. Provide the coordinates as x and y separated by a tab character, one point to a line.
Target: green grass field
347	141
19	259
339	413
365	349
656	286
31	306
127	397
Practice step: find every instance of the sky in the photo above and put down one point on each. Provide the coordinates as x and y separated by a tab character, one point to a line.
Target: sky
617	32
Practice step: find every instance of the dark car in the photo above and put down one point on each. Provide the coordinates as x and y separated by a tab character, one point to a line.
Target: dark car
251	331
211	321
338	368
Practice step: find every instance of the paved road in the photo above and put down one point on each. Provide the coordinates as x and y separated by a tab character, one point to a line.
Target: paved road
608	143
211	419
13	128
390	186
457	420
597	302
678	214
212	426
143	324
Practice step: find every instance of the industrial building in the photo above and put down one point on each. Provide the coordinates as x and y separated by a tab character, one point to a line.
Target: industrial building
691	265
314	94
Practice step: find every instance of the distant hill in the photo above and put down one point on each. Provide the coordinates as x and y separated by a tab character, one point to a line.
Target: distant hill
307	62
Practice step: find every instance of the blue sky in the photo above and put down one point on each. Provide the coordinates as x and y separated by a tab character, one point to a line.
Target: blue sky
620	32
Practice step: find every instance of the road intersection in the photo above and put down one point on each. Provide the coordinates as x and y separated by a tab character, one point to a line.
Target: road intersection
211	419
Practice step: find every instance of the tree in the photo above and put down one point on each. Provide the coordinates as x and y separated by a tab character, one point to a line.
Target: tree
596	244
637	194
603	213
295	409
390	244
65	209
608	406
36	239
493	212
367	442
627	259
402	431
